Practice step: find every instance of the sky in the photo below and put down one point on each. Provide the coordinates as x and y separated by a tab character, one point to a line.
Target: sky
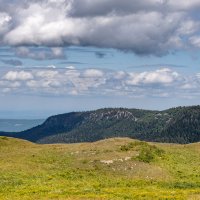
59	56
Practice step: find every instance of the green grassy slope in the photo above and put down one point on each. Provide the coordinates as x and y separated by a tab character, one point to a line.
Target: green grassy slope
110	169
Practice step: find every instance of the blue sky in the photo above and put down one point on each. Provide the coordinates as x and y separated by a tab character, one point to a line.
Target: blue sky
62	56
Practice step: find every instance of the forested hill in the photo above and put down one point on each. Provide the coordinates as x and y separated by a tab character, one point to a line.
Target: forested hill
176	125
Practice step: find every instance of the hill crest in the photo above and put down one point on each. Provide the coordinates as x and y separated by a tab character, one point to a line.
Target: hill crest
175	125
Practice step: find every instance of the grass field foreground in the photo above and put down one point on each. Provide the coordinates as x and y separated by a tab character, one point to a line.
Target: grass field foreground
112	169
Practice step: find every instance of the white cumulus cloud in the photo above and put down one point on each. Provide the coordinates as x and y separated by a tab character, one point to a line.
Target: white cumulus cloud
150	27
18	76
162	82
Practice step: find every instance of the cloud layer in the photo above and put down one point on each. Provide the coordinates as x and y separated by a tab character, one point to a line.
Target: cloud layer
148	27
162	82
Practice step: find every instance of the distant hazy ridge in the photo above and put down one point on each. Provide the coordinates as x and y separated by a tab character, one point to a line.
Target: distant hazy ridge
16	125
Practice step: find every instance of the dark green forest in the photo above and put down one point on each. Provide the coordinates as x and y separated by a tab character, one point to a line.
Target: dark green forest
175	125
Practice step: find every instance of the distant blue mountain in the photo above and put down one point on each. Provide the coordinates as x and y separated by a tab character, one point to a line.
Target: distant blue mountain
16	125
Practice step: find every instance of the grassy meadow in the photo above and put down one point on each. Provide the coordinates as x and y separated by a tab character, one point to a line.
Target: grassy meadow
112	169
